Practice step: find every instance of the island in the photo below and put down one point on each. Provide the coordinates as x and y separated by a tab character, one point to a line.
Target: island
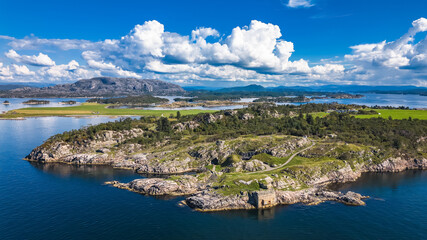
36	102
70	102
6	102
143	100
255	157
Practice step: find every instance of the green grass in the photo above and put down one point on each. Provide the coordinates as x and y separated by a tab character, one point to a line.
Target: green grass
397	114
302	161
385	113
270	160
230	185
92	109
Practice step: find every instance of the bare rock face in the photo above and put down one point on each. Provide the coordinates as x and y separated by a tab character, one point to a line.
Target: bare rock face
100	86
185	126
170	167
211	201
75	152
247	116
159	186
342	175
284	150
250	166
209	118
398	164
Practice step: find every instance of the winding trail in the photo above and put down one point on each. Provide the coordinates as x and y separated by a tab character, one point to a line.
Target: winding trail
290	159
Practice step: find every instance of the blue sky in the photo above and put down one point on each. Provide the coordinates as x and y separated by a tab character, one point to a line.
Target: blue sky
321	32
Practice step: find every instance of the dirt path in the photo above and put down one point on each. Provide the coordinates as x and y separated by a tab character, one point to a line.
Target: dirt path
284	164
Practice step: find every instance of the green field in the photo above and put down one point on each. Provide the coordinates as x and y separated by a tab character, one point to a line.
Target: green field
92	109
386	113
398	114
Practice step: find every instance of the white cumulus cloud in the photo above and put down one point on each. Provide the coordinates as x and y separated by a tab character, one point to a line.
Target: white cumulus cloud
34	60
258	52
393	60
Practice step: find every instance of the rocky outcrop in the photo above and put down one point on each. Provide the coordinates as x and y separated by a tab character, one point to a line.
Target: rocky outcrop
185	185
250	166
169	167
247	116
211	201
341	175
208	118
397	165
190	125
82	152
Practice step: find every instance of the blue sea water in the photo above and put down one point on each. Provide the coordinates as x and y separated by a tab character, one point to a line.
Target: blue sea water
395	100
54	201
16	103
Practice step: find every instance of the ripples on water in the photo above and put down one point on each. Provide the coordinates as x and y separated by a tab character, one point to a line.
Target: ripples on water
56	201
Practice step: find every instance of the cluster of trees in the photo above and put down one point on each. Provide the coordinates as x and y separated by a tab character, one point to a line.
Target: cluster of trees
35	102
367	112
390	107
206	97
130	100
298	99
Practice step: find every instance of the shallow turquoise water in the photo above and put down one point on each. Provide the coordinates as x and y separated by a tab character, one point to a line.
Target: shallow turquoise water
69	202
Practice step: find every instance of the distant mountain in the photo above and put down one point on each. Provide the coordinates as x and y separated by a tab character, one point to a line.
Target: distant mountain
5	87
249	88
199	88
13	85
328	88
100	87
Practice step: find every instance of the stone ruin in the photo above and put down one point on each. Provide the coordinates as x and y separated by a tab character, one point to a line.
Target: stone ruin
263	199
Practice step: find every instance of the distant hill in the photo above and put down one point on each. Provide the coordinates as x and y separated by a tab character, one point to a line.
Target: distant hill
328	88
13	85
199	88
5	87
100	87
249	88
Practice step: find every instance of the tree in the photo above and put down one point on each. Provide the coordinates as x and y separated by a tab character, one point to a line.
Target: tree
300	116
310	119
164	125
178	115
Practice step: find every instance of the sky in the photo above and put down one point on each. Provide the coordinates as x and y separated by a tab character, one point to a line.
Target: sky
216	43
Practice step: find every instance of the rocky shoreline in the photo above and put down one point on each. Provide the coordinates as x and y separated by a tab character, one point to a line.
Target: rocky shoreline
202	197
201	193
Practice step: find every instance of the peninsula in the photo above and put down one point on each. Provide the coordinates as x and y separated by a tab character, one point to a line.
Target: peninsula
256	157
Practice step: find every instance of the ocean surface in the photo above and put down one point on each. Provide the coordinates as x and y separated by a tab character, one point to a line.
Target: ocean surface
395	100
16	103
54	201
